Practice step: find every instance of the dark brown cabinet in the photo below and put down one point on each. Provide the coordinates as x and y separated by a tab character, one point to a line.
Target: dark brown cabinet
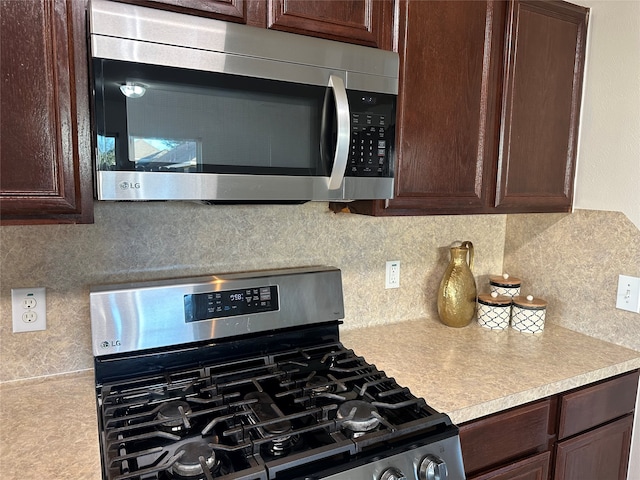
229	10
541	106
488	107
532	468
597	454
365	22
491	444
594	430
45	163
584	434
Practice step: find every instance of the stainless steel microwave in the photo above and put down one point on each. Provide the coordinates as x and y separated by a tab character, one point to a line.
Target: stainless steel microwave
191	108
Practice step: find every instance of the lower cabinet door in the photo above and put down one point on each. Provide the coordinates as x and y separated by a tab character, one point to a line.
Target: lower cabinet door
600	454
532	468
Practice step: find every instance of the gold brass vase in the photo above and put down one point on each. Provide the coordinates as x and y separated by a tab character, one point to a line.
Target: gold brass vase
457	293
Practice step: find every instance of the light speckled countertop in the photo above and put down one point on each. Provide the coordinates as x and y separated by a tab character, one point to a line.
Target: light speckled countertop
471	372
48	426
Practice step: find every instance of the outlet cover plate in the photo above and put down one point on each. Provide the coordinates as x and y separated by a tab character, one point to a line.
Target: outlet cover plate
628	297
392	274
29	309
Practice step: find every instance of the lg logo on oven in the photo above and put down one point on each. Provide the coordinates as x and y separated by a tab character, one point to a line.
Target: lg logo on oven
129	185
109	344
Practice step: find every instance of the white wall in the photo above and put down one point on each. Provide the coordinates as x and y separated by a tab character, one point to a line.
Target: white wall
608	167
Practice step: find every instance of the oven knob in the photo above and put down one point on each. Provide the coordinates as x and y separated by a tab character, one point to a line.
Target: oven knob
392	474
432	468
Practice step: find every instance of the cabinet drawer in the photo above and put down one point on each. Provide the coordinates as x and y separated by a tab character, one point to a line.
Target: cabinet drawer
591	406
506	436
532	468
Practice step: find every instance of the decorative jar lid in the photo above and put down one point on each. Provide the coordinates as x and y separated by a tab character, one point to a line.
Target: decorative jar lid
530	302
494	299
505	280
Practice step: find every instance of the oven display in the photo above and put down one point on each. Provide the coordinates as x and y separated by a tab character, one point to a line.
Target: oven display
230	303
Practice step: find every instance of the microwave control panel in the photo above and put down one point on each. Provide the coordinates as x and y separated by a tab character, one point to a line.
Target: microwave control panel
370	146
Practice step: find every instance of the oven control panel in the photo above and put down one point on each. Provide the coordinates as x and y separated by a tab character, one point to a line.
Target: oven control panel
132	317
230	303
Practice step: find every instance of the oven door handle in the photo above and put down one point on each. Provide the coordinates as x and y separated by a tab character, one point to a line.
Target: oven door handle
344	130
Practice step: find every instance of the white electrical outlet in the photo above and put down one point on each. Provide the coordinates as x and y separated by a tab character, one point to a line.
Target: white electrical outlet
628	297
29	309
392	275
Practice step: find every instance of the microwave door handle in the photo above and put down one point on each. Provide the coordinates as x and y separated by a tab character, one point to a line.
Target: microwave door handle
344	128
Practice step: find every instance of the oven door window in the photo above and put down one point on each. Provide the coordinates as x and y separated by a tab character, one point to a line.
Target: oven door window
151	118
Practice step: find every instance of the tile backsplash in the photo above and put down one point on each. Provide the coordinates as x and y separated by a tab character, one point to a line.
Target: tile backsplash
142	241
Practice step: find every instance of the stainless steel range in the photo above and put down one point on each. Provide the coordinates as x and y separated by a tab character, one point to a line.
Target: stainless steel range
242	376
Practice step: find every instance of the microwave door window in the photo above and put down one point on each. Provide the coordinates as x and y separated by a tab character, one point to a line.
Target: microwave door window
189	121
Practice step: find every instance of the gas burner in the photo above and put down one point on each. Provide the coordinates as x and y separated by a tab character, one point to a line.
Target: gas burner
281	446
358	416
195	457
267	412
319	385
173	415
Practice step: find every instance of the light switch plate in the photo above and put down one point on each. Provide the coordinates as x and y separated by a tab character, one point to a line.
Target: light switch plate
29	309
628	297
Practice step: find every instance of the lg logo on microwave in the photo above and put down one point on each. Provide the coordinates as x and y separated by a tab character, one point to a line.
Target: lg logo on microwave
112	343
127	185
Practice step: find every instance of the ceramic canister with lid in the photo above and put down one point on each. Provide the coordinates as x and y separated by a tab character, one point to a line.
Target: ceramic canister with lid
494	311
505	285
528	314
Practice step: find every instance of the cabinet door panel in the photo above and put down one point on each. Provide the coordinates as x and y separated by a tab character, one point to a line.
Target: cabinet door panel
541	107
230	10
45	167
599	454
446	101
366	22
533	468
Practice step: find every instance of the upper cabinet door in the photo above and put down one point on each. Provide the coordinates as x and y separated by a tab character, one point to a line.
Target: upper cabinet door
451	56
230	10
541	106
45	163
365	22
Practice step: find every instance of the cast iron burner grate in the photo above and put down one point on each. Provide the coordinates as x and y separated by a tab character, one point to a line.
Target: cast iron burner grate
254	417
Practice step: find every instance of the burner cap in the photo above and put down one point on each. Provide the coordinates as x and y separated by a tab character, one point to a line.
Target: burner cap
319	384
189	464
173	414
358	415
279	427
